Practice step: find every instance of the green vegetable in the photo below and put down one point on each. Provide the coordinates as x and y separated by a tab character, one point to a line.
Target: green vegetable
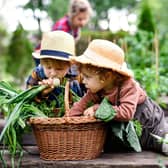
6	89
30	93
89	104
126	133
19	107
132	137
105	112
159	138
138	127
27	95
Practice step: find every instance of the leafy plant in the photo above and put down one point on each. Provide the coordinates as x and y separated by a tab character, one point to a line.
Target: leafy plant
20	49
146	18
127	132
20	107
141	58
160	139
16	117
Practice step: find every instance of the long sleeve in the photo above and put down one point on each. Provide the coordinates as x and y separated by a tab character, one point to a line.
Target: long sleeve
79	107
131	94
36	76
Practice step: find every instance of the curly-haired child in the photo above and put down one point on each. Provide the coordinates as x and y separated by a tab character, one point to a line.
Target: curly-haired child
106	75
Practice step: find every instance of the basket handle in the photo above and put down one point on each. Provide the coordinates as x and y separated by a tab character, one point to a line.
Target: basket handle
66	97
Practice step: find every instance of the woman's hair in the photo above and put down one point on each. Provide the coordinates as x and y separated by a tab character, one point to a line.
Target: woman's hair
119	78
77	6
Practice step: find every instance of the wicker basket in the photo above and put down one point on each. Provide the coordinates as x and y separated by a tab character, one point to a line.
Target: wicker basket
77	138
69	138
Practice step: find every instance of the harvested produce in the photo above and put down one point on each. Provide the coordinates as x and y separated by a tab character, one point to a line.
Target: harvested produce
19	106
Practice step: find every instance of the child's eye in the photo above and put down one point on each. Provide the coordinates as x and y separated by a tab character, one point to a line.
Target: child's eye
86	76
49	67
59	69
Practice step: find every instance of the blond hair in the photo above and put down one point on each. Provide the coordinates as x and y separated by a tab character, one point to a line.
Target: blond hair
77	6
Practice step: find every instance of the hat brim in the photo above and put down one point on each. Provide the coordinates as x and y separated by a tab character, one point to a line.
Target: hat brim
103	63
38	56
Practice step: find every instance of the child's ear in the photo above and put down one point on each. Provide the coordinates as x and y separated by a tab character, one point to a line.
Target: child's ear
107	75
104	76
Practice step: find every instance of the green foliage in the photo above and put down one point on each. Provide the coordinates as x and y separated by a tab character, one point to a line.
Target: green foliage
163	53
3	74
139	49
57	9
46	108
4	40
19	54
138	127
20	107
132	137
146	77
87	36
159	12
34	4
101	6
105	112
3	36
17	115
126	133
140	55
146	20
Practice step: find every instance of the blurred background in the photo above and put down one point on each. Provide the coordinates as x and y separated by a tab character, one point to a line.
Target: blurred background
138	26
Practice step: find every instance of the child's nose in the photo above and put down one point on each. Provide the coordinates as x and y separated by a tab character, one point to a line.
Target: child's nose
84	81
83	23
53	72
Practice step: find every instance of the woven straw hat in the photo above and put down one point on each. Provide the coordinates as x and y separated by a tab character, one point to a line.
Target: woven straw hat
105	54
56	45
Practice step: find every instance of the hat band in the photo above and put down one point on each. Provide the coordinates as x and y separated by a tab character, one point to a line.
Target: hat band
55	53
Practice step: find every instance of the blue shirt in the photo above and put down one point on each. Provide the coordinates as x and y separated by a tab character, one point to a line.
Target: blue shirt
38	75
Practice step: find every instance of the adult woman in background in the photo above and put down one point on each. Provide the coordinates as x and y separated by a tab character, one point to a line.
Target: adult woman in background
78	16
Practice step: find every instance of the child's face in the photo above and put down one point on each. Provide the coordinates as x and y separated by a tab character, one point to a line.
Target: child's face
55	68
80	20
92	80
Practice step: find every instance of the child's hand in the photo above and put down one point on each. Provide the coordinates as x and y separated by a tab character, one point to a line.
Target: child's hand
50	83
89	112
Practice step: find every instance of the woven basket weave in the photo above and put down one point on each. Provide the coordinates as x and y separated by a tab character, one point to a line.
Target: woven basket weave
69	138
58	139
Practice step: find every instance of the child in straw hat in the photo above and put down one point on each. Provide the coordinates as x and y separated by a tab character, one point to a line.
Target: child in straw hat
56	48
78	16
106	75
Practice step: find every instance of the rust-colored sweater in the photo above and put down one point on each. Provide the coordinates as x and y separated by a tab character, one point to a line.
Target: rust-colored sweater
130	95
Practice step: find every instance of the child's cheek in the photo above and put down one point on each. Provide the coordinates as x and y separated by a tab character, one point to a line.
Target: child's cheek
65	72
62	74
46	73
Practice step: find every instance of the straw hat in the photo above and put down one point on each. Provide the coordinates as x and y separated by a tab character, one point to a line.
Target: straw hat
105	54
56	45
